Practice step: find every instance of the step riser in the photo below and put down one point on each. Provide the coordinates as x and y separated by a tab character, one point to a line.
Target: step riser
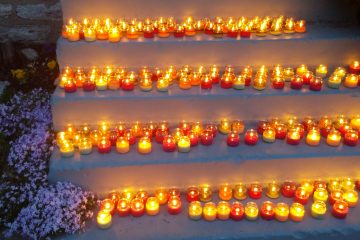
200	108
222	52
321	10
150	177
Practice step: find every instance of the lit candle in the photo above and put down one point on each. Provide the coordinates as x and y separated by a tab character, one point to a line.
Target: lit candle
245	31
67	149
233	139
334	184
288	189
293	137
174	205
282	212
255	191
85	146
340	209
296	83
195	210
179	31
289	26
152	206
108	206
193	194
351	138
194	139
354	67
114	35
144	145
335	195
269	135
301	195
184	82
308	186
225	126
73	34
104	145
132	32
321	71
169	144
347	184
316	84
318	209
184	144
251	137
225	192
355	122
209	211
278	82
162	195
206	82
148	31
320	194
351	198
162	85
146	84
288	74
223	210
237	211
205	193
267	211
297	212
122	145
137	207
251	211
333	138
104	219
313	137
273	190
351	81
70	86
163	31
240	191
207	137
300	26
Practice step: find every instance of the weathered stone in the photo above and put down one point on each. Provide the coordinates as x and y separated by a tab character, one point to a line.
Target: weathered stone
5	10
30	54
28	34
39	11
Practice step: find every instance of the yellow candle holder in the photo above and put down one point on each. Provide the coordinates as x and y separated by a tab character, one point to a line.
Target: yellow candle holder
85	146
205	193
223	210
273	190
67	149
162	195
351	81
240	191
334	138
104	219
318	209
351	197
152	206
225	192
321	194
313	137
282	212
195	210
297	212
144	145
251	211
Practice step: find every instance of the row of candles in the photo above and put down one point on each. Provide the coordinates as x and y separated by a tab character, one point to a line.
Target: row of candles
107	29
188	135
340	194
120	78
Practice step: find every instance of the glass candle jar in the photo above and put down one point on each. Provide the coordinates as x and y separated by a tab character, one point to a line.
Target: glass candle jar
273	190
288	189
223	210
297	212
301	195
144	145
205	193
184	144
162	195
137	207
195	210
313	137
104	220
193	194
85	146
340	209
255	191
233	139
225	126
209	211
269	135
240	191
225	192
351	198
335	195
282	212
152	206
123	207
251	137
267	210
320	194
333	138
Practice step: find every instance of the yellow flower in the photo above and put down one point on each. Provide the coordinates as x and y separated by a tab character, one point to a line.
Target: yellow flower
51	64
18	73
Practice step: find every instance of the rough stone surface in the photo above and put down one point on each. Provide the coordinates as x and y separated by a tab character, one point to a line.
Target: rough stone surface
5	10
33	34
30	54
39	11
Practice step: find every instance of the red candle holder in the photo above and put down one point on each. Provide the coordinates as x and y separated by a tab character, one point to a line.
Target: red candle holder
89	86
280	131
143	195
307	77
325	131
232	33
335	195
185	127
358	185
247	81
354	67
316	84
174	192
160	135
215	77
194	139
127	85
351	138
237	211
179	31
245	33
206	83
70	87
296	83
255	191
320	184
174	205
104	145
123	207
226	83
267	211
262	125
212	128
278	84
108	205
130	137
137	207
301	196
293	137
288	189
344	129
233	139
156	75
113	137
193	194
207	138
340	209
115	197
251	137
149	34
169	144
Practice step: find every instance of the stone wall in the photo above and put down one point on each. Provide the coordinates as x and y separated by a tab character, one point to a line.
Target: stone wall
30	21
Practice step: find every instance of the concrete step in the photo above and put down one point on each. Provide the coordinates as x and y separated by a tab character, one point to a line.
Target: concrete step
213	164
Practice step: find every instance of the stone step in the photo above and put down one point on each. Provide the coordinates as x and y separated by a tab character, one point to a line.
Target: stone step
321	44
199	105
213	164
320	10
